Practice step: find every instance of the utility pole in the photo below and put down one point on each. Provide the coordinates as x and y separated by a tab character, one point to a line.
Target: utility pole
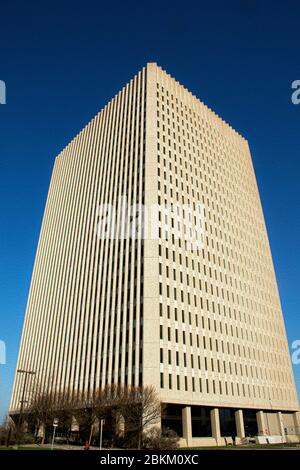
26	373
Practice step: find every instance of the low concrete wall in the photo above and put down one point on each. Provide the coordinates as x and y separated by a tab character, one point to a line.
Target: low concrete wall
270	439
199	442
292	438
277	439
211	442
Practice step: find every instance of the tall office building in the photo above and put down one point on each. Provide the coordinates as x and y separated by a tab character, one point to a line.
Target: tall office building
114	301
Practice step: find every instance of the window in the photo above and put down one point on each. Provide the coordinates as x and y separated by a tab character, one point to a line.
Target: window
161	380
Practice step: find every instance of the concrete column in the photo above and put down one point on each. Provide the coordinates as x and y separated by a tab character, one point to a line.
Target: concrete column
296	417
261	424
187	425
215	425
280	423
239	423
120	425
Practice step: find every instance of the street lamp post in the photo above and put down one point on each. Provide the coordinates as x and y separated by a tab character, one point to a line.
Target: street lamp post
102	421
55	424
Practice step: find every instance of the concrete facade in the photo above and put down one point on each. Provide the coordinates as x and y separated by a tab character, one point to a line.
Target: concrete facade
204	326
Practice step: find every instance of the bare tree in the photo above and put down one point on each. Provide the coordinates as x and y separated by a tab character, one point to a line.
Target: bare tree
107	406
157	439
133	410
8	431
105	400
64	408
141	408
84	413
41	411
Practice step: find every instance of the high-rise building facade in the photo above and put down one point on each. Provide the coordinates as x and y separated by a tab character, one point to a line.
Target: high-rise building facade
201	323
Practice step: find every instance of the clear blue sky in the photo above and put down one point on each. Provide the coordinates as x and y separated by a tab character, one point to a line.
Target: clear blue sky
62	61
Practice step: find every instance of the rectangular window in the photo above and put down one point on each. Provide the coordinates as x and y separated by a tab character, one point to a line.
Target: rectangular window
161	380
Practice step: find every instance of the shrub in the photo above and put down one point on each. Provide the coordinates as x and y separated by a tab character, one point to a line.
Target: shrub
157	439
7	433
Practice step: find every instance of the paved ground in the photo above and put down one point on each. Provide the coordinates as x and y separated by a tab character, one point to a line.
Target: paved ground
230	448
